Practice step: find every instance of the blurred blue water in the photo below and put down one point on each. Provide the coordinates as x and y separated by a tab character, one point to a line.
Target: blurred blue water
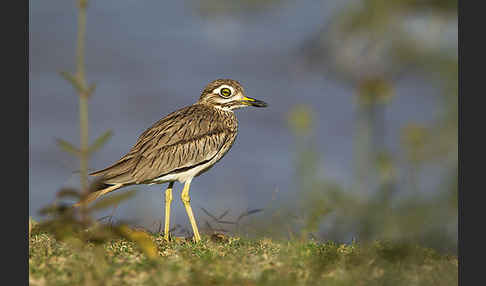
150	59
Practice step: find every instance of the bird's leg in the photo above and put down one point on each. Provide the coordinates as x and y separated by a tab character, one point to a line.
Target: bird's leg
168	200
186	199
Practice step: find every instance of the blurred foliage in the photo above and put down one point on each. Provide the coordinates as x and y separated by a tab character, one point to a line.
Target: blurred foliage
301	118
414	139
329	211
374	90
387	39
76	227
212	8
370	45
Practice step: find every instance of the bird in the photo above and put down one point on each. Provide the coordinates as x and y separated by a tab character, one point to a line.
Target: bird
180	146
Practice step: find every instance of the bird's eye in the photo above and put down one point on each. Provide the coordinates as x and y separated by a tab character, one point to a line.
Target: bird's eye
225	92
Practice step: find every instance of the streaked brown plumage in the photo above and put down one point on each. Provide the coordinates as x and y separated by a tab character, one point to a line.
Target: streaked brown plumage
182	145
186	138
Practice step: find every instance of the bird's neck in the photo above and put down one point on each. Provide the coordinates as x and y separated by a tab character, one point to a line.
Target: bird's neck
220	108
225	115
216	108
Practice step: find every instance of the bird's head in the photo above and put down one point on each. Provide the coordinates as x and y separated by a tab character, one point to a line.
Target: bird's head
227	94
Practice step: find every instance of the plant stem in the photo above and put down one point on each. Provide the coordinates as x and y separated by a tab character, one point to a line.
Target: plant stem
83	96
81	36
83	117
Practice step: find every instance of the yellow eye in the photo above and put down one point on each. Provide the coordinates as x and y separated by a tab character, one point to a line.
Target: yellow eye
225	92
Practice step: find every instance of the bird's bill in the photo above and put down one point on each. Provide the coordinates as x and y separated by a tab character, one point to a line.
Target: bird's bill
254	102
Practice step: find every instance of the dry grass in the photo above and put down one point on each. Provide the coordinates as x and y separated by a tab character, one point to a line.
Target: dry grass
223	260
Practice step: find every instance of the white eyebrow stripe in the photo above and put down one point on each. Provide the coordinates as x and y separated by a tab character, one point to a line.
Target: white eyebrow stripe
216	91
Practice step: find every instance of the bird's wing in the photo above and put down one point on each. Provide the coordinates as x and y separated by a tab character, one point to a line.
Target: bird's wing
185	138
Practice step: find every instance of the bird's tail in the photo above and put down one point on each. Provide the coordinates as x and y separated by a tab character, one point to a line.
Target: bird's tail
94	195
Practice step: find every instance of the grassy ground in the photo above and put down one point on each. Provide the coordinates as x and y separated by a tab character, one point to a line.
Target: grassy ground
220	260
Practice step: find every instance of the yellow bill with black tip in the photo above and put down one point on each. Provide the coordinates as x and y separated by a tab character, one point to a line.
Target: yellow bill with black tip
254	102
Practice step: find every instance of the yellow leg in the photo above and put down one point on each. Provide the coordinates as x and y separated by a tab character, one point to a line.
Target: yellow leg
168	200
186	200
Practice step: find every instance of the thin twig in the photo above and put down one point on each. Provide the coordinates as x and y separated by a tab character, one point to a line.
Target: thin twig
224	214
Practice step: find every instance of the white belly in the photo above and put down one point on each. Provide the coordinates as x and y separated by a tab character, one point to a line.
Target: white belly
182	177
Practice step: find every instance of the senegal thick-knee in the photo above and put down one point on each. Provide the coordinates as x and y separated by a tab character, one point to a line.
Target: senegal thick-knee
181	146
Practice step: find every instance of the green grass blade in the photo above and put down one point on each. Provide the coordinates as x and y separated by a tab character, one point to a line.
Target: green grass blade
68	147
100	141
74	81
